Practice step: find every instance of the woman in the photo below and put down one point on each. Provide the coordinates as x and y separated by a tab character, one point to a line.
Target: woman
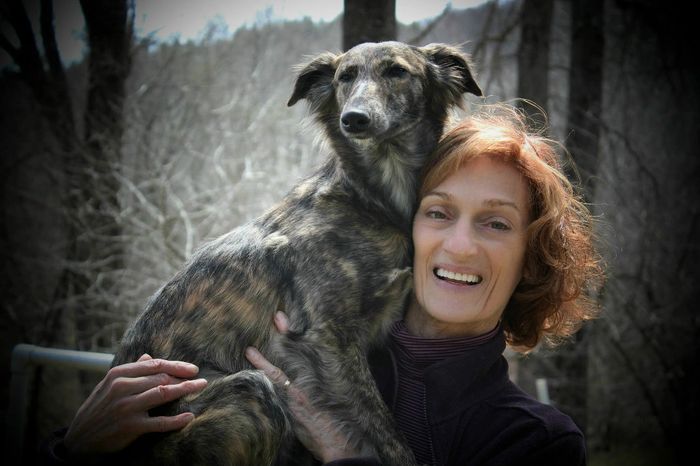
504	254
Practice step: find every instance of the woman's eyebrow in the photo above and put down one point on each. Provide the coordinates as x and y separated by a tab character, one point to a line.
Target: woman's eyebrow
439	194
501	203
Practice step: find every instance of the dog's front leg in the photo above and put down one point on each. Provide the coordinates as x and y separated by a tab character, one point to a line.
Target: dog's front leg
338	382
372	416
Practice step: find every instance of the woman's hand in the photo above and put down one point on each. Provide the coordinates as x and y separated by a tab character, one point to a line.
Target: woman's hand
316	430
116	412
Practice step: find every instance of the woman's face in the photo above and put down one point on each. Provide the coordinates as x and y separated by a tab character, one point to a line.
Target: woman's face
470	237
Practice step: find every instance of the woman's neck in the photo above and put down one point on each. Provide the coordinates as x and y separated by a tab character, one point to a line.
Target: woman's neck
421	324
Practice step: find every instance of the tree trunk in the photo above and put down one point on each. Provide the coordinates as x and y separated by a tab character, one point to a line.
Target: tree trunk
368	21
533	56
586	89
95	170
585	100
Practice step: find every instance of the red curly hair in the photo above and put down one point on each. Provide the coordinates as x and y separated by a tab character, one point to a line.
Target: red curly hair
562	269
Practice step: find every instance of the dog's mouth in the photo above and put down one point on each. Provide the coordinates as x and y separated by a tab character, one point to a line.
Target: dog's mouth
458	278
364	136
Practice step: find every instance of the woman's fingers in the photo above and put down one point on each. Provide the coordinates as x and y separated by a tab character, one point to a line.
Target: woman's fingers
150	366
281	322
159	394
146	373
167	423
272	372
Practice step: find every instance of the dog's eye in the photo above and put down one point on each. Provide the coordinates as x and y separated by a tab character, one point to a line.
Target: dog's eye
346	77
396	71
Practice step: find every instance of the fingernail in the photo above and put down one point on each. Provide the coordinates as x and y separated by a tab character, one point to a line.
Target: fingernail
201	382
251	352
192	367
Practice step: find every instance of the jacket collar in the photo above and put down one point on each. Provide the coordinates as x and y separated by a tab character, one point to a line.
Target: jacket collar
457	383
452	384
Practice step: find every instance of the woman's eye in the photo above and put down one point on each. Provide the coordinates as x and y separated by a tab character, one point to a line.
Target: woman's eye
435	214
396	71
498	225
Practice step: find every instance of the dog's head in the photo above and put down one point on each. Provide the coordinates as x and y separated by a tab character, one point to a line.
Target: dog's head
378	91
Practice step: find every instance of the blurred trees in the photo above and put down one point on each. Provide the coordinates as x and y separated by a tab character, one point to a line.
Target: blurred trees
645	351
207	142
631	108
88	163
86	158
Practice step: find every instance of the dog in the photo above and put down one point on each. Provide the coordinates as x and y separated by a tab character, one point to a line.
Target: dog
334	255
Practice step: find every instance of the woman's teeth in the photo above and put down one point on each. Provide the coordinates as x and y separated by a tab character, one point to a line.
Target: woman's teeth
465	278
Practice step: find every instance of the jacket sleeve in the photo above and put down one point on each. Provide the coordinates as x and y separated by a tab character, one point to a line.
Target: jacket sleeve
52	452
569	449
364	461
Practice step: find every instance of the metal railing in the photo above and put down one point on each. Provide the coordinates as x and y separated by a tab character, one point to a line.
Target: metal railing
25	360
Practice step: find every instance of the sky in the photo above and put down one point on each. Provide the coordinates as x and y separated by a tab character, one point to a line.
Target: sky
186	19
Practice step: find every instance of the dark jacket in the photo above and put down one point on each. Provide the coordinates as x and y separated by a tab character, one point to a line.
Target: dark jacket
478	417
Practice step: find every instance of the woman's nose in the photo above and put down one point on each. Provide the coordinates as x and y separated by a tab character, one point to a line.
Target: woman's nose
461	241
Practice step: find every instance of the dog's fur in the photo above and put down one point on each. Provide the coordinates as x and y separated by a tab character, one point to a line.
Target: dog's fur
334	255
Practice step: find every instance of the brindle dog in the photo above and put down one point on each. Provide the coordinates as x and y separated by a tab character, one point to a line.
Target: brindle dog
334	255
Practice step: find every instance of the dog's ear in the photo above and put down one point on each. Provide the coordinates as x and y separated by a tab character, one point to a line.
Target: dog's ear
314	79
452	70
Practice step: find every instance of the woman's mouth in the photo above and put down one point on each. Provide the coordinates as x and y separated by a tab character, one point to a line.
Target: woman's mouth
456	277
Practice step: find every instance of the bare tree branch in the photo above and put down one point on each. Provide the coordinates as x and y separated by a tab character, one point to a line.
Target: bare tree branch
418	38
27	55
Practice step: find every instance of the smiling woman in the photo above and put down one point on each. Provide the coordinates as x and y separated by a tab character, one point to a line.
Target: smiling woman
504	253
495	204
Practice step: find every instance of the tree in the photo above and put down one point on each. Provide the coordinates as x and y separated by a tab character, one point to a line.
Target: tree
584	122
368	21
586	89
567	366
533	56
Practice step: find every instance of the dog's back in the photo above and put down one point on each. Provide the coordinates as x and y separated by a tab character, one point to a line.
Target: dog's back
334	255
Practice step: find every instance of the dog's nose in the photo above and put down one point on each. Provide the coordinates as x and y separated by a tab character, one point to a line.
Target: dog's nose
355	121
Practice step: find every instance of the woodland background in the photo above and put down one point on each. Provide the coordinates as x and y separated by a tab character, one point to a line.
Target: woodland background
114	169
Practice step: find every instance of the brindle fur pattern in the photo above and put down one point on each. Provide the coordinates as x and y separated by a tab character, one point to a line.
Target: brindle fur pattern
334	255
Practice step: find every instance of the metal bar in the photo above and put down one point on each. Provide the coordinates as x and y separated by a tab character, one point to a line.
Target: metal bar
542	391
25	359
